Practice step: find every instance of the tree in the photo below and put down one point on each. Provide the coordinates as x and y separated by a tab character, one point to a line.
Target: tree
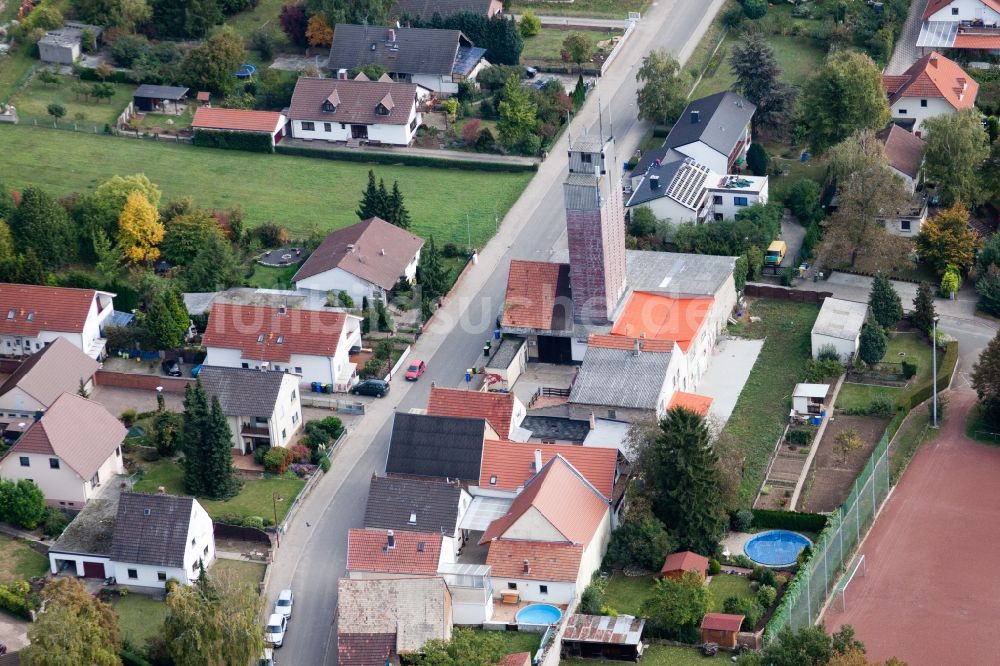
578	48
398	214
809	646
675	607
950	281
803	199
102	90
125	14
641	540
847	443
161	318
76	628
754	9
166	432
757	159
40	224
42	18
186	18
530	24
923	313
947	239
884	302
740	271
215	267
955	148
470	132
466	648
186	234
57	111
432	275
212	64
7	204
988	290
213	623
986	380
195	422
642	221
844	96
579	95
139	230
663	88
499	35
518	114
373	200
318	32
220	478
873	342
22	503
680	470
294	23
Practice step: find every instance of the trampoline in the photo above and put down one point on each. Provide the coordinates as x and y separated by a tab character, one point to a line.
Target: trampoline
245	71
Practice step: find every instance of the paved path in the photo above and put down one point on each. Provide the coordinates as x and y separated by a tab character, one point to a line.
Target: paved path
582	21
456	155
311	559
906	52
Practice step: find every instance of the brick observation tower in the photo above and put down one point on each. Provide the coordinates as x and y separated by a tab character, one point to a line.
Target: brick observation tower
595	227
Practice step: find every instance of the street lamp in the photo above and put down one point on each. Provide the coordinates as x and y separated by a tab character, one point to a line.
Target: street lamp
275	498
934	390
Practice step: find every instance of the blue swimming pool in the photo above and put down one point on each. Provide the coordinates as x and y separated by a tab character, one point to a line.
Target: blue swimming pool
538	614
776	548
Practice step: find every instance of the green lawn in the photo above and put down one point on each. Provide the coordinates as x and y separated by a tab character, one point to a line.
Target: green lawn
19	561
159	120
915	349
910	437
248	572
662	655
618	9
798	57
255	499
762	409
626	593
548	43
298	192
33	100
272	277
517	641
140	617
723	586
264	16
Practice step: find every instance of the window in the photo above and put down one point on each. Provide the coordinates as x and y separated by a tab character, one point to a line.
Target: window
53	463
133	574
293	395
544	589
10	314
511	586
282	433
954	11
585	158
308	126
327	127
281	339
161	575
295	418
343	125
193	541
25	462
612	414
205	552
902	112
493	480
31	316
740	201
717	217
260	420
245	366
413	124
118	451
96	479
923	103
717	200
381	110
298	370
904	225
329	108
260	338
277	368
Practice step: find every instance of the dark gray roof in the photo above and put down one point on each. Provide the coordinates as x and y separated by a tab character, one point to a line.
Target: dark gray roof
414	51
426	9
505	352
242	392
646	192
151	529
91	531
436	446
721	120
620	378
556	428
160	92
392	500
467	59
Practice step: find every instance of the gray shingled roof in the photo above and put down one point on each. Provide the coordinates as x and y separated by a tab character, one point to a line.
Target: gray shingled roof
151	529
677	273
645	192
148	90
392	500
415	50
556	428
436	446
620	378
242	392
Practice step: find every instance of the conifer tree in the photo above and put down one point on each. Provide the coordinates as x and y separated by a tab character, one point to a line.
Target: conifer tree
372	200
884	302
432	277
220	482
192	441
923	308
397	212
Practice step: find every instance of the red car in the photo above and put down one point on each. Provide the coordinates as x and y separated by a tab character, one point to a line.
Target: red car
415	370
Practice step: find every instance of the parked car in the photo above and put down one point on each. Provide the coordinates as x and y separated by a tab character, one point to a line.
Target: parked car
171	368
283	606
267	659
274	630
375	387
415	370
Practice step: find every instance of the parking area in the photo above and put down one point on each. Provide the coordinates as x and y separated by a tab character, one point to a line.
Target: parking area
732	361
13	633
117	400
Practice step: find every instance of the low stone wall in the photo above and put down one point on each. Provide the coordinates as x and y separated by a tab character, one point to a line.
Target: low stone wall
136	381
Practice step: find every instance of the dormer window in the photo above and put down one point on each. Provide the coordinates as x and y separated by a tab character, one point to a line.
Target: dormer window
329	108
385	105
381	110
11	313
31	316
281	339
260	338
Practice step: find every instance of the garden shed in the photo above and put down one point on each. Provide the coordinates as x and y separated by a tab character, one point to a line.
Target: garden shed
148	97
839	326
680	562
605	637
809	399
721	628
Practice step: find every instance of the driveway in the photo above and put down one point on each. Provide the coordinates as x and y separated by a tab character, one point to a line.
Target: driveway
732	361
13	633
793	234
117	400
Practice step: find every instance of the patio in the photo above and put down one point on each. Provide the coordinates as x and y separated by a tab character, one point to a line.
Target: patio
506	614
732	361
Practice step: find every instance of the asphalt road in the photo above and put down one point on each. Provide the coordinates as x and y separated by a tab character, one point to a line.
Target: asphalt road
313	554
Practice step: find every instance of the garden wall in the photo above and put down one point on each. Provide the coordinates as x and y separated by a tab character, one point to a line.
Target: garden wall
147	382
224	531
783	294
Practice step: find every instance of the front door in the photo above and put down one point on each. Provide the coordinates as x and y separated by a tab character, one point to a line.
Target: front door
359	131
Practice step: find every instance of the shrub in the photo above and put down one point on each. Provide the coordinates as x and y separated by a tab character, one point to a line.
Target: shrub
788	276
757	159
300	454
762	575
909	369
345	299
271	235
748	607
55	522
714	567
766	596
256	522
817	371
530	24
324	464
789	520
259	453
591	600
15	598
881	406
742	561
743	520
254	142
828	353
642	542
128	417
484	144
277	459
799	437
754	9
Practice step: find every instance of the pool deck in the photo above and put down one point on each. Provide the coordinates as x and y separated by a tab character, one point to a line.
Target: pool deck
507	613
735	543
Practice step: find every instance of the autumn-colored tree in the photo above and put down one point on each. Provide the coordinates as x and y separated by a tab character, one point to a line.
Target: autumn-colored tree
139	230
319	32
947	239
76	628
847	443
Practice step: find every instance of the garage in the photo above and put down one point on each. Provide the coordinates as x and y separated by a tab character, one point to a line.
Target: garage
93	570
552	349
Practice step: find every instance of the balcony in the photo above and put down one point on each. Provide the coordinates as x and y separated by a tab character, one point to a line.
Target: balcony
250	430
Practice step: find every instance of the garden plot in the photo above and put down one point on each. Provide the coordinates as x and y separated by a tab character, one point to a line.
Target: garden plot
835	466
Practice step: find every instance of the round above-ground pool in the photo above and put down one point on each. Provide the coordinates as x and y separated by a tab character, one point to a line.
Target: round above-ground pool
538	614
776	548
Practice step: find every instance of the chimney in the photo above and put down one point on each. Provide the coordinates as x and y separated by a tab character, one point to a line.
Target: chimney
695	117
933	62
38	415
342	74
382	252
390	540
593	421
654	182
392	34
160	490
638	348
538	459
526	568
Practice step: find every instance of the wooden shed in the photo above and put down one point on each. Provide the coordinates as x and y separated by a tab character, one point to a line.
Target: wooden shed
721	628
677	563
148	97
599	636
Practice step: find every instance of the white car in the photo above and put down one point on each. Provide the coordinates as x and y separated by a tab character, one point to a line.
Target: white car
283	606
274	630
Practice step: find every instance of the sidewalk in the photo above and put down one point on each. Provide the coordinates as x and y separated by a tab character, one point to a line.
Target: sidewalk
581	21
906	52
455	155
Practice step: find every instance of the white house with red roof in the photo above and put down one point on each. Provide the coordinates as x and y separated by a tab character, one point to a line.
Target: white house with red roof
314	344
69	451
932	86
32	316
961	24
503	411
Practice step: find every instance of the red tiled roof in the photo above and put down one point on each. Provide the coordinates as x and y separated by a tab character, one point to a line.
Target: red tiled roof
512	463
496	408
265	334
663	318
240	120
685	560
967	41
628	344
366	551
563	497
51	309
538	296
904	150
203	96
699	404
80	432
934	6
721	622
546	561
934	76
365	649
516	659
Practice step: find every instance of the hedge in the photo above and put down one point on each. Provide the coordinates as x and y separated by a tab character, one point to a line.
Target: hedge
15	600
789	520
945	370
404	159
130	658
116	76
254	142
